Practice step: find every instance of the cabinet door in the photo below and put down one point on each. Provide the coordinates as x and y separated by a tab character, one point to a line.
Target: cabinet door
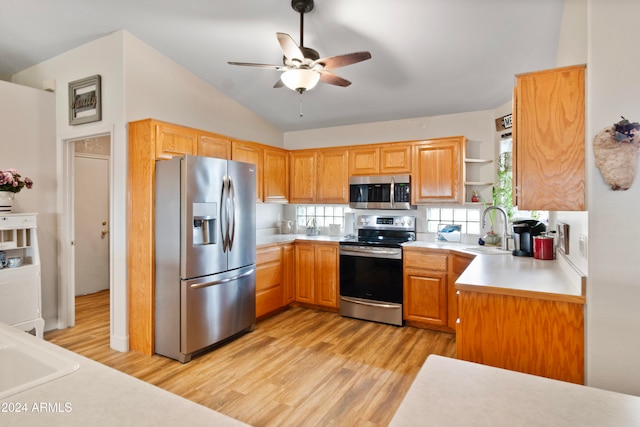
288	274
250	153
269	289
333	176
364	161
458	264
276	176
437	171
395	159
425	297
172	140
212	146
327	275
19	294
302	187
549	143
305	273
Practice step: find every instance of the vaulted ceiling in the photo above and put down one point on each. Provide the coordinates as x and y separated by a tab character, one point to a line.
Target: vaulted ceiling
429	57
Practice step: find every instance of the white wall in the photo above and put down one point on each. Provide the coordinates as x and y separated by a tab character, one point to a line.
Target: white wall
613	293
157	87
572	50
137	83
27	121
104	57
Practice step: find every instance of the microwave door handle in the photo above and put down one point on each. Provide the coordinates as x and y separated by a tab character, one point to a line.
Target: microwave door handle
393	190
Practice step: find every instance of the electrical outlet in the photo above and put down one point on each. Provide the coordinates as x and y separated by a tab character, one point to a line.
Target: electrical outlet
582	243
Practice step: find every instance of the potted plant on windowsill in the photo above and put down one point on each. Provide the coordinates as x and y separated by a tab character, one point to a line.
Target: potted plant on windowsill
11	182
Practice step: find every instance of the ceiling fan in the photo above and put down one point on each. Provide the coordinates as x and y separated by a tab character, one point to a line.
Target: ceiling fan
303	67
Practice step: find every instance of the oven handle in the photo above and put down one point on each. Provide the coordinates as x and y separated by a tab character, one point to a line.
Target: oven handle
370	304
391	253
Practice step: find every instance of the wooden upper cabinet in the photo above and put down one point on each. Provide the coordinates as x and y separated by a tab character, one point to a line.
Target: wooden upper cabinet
249	152
364	161
213	146
395	158
333	176
302	188
381	159
549	139
438	171
172	140
276	175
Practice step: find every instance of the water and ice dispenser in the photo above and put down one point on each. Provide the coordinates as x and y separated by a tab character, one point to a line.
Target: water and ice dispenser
204	222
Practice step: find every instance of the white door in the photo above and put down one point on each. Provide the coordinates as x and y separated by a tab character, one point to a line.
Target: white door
91	211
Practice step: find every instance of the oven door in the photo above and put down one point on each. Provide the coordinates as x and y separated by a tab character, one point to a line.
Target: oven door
371	283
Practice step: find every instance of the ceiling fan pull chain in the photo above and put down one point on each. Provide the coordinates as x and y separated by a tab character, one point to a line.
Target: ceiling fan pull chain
301	113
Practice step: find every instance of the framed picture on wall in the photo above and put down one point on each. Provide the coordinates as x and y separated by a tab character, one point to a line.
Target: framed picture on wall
85	101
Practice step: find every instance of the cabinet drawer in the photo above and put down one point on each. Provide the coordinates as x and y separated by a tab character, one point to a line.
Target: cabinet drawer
271	254
425	260
268	276
18	221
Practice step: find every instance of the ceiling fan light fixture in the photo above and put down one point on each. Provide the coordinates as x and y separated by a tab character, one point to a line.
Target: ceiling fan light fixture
300	79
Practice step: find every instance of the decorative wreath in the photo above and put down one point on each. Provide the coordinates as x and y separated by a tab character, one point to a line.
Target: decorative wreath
615	150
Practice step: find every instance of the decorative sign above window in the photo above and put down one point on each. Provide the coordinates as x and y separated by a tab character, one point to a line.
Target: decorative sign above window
85	104
503	123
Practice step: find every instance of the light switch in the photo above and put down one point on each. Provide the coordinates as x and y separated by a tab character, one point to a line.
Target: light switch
582	243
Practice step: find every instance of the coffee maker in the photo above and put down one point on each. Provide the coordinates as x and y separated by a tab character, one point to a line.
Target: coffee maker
523	232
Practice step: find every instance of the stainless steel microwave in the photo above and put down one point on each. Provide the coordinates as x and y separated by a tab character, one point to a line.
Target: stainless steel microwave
380	192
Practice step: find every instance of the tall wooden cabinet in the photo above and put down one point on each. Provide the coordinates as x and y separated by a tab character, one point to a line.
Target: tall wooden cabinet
20	288
549	140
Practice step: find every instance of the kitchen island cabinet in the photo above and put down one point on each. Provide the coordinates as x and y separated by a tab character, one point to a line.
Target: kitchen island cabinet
548	140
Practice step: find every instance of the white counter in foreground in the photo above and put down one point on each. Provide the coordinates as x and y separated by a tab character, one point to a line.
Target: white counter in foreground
96	395
450	392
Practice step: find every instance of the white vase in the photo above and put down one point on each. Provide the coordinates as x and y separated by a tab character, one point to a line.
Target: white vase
6	201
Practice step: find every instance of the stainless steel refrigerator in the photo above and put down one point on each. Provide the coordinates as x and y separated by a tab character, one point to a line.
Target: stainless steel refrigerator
205	247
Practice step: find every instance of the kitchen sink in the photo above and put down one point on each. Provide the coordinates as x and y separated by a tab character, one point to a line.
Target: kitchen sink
488	250
25	363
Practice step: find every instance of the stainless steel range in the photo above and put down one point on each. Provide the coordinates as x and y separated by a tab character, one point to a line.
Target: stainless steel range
371	268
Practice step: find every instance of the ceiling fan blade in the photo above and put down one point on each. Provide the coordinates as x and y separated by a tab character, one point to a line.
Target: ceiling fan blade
290	48
278	84
333	62
332	79
251	64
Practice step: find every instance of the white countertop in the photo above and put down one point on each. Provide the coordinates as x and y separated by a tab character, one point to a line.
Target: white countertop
289	238
96	395
450	392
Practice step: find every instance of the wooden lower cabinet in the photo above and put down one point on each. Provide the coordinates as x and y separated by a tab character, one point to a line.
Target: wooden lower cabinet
288	272
534	336
317	274
425	288
269	280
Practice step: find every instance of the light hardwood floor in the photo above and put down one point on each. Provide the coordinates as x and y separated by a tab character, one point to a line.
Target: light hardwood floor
301	367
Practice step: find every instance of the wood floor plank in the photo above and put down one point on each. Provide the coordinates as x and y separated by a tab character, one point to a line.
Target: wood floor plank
299	367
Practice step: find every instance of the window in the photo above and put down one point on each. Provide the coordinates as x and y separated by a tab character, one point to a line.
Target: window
469	219
324	215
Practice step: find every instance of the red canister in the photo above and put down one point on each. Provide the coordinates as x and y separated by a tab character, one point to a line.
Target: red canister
543	247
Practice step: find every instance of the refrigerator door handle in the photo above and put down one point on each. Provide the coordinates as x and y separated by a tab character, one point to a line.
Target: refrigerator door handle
232	212
221	281
224	215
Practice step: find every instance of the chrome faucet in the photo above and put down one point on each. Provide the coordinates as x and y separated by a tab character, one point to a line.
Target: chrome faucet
505	221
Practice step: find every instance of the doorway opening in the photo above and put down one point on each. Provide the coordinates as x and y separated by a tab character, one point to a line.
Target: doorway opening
87	217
